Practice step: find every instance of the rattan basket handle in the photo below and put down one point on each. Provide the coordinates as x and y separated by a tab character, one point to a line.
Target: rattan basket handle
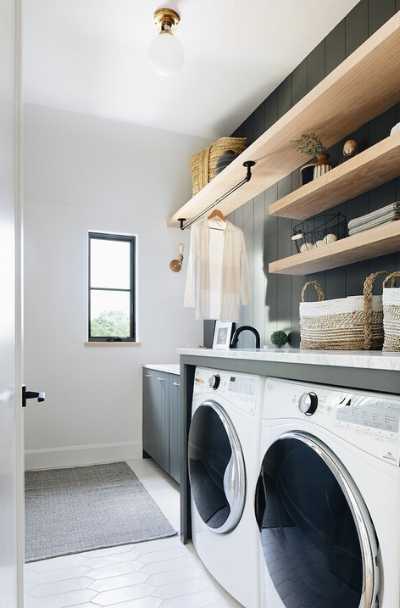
367	293
318	290
392	279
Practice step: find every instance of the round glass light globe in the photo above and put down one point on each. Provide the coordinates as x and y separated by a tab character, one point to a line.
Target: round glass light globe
166	54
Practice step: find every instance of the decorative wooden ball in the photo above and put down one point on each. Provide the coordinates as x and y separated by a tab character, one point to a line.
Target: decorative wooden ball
350	148
279	338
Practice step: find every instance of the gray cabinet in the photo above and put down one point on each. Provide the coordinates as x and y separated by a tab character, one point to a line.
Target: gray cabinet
162	420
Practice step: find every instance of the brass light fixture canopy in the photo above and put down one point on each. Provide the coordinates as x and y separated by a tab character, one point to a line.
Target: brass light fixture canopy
166	19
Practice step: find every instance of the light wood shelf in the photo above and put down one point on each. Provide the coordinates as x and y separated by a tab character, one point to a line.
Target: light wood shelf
364	172
366	245
363	86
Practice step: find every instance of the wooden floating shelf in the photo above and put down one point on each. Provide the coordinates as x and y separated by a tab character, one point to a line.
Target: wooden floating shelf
364	172
363	86
364	246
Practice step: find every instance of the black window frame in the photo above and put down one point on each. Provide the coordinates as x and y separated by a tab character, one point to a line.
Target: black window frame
132	289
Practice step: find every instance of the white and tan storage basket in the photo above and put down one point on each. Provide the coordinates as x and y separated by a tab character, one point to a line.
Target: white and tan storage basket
391	313
352	323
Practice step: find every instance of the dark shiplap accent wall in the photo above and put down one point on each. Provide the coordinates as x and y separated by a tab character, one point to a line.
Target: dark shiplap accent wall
275	299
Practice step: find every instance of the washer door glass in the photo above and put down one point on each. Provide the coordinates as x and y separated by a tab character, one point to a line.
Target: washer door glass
216	468
317	537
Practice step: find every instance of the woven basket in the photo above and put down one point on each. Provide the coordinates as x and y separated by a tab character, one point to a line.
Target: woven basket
391	313
204	163
353	323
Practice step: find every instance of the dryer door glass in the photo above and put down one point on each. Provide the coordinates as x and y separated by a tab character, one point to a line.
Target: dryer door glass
216	468
314	536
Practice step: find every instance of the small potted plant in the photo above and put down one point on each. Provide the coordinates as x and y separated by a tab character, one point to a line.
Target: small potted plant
311	145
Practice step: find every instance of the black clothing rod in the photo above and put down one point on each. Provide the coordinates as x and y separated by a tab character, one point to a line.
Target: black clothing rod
248	164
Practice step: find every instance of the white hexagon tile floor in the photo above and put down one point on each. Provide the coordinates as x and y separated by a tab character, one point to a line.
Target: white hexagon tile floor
157	574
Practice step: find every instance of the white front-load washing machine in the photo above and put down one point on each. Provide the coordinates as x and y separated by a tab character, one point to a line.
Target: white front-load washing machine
328	498
223	450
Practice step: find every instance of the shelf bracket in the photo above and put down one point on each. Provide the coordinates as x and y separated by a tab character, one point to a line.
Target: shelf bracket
248	164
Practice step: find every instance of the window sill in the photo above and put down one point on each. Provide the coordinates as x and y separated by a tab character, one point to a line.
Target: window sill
116	343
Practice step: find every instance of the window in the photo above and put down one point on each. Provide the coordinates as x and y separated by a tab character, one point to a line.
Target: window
111	288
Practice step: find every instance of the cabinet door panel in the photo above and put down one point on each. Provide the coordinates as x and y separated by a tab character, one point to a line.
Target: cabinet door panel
161	430
150	413
156	417
162	420
175	425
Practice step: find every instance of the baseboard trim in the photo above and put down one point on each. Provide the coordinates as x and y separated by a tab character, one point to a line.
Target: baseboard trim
81	455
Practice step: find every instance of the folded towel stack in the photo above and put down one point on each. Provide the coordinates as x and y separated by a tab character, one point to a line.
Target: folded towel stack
375	218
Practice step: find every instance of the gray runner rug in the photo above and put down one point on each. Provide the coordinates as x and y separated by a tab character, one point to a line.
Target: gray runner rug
85	508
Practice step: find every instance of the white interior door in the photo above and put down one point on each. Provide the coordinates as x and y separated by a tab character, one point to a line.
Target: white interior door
11	476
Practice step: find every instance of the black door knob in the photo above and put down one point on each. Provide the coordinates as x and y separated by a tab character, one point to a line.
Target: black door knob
39	396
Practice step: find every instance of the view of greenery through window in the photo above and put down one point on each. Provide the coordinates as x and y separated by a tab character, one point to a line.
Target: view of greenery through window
110	323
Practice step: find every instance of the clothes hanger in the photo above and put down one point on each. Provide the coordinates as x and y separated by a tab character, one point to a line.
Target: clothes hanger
219	216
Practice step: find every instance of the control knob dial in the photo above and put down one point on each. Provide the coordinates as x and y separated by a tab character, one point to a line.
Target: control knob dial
214	381
308	403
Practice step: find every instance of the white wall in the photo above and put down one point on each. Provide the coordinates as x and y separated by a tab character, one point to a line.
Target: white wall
84	173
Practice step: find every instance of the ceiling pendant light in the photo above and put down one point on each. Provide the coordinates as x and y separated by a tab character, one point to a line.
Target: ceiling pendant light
166	51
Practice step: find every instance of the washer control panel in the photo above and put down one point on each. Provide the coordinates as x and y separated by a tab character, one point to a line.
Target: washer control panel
241	390
381	415
242	385
372	422
369	421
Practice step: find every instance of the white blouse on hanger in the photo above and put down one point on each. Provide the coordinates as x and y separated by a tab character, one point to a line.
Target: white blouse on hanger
217	279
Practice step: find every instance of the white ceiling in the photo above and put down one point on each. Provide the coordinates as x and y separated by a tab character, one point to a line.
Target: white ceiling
90	56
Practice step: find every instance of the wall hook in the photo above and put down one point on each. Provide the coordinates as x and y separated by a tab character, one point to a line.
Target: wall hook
176	264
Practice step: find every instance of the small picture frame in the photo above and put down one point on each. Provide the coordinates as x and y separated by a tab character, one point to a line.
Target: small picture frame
223	332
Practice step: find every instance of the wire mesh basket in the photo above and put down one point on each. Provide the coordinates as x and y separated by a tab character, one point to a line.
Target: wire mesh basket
319	231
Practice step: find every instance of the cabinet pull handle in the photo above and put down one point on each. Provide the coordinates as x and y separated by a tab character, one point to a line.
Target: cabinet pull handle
176	383
161	379
148	375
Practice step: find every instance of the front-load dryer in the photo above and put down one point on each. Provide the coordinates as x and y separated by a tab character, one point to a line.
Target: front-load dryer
223	453
328	498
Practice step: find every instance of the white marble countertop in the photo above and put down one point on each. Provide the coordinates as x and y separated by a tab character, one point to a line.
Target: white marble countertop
360	359
169	368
